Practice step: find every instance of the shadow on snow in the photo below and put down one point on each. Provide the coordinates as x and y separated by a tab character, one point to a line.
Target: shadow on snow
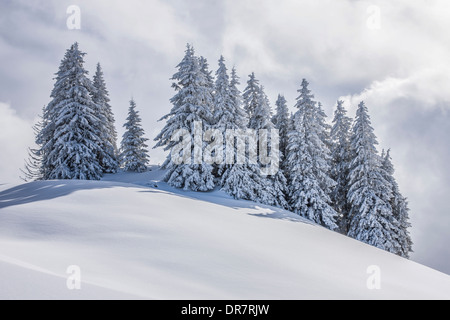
47	190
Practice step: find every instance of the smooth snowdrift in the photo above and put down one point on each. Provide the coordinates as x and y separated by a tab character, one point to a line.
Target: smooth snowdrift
147	240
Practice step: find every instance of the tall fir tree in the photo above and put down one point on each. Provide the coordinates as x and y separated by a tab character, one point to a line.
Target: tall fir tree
274	188
340	154
228	114
325	128
204	68
244	180
108	156
251	97
308	163
134	153
371	218
281	120
261	115
192	103
240	180
237	97
399	204
70	138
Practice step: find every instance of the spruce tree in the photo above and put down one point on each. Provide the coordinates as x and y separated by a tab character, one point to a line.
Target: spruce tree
251	97
204	68
274	187
281	121
228	114
340	153
237	179
192	104
399	204
33	169
134	153
244	180
325	128
261	116
70	138
237	97
307	163
109	152
371	218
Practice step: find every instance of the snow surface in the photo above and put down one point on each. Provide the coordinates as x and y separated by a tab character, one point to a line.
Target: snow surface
135	237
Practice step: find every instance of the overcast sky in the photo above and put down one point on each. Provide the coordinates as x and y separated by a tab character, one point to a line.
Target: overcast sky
395	55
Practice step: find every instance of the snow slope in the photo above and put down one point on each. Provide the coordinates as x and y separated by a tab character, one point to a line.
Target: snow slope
134	240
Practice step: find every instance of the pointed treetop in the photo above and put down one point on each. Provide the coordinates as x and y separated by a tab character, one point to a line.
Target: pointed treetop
341	123
362	111
306	97
340	107
189	48
387	162
281	100
234	78
221	73
251	95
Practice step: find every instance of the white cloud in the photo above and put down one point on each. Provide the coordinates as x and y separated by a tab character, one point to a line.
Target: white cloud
328	42
427	87
152	22
16	135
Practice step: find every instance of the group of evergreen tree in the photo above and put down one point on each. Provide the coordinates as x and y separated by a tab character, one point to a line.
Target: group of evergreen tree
76	136
332	175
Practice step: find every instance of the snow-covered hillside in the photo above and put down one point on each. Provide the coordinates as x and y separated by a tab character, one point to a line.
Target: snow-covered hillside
134	237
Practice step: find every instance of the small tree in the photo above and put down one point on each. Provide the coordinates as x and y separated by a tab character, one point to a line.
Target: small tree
134	153
33	165
399	204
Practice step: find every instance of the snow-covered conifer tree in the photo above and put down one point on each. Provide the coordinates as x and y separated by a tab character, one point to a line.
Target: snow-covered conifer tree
274	187
325	128
371	218
281	121
204	68
70	139
228	113
109	152
192	104
399	204
251	96
33	165
238	179
307	162
261	115
134	154
236	96
340	153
